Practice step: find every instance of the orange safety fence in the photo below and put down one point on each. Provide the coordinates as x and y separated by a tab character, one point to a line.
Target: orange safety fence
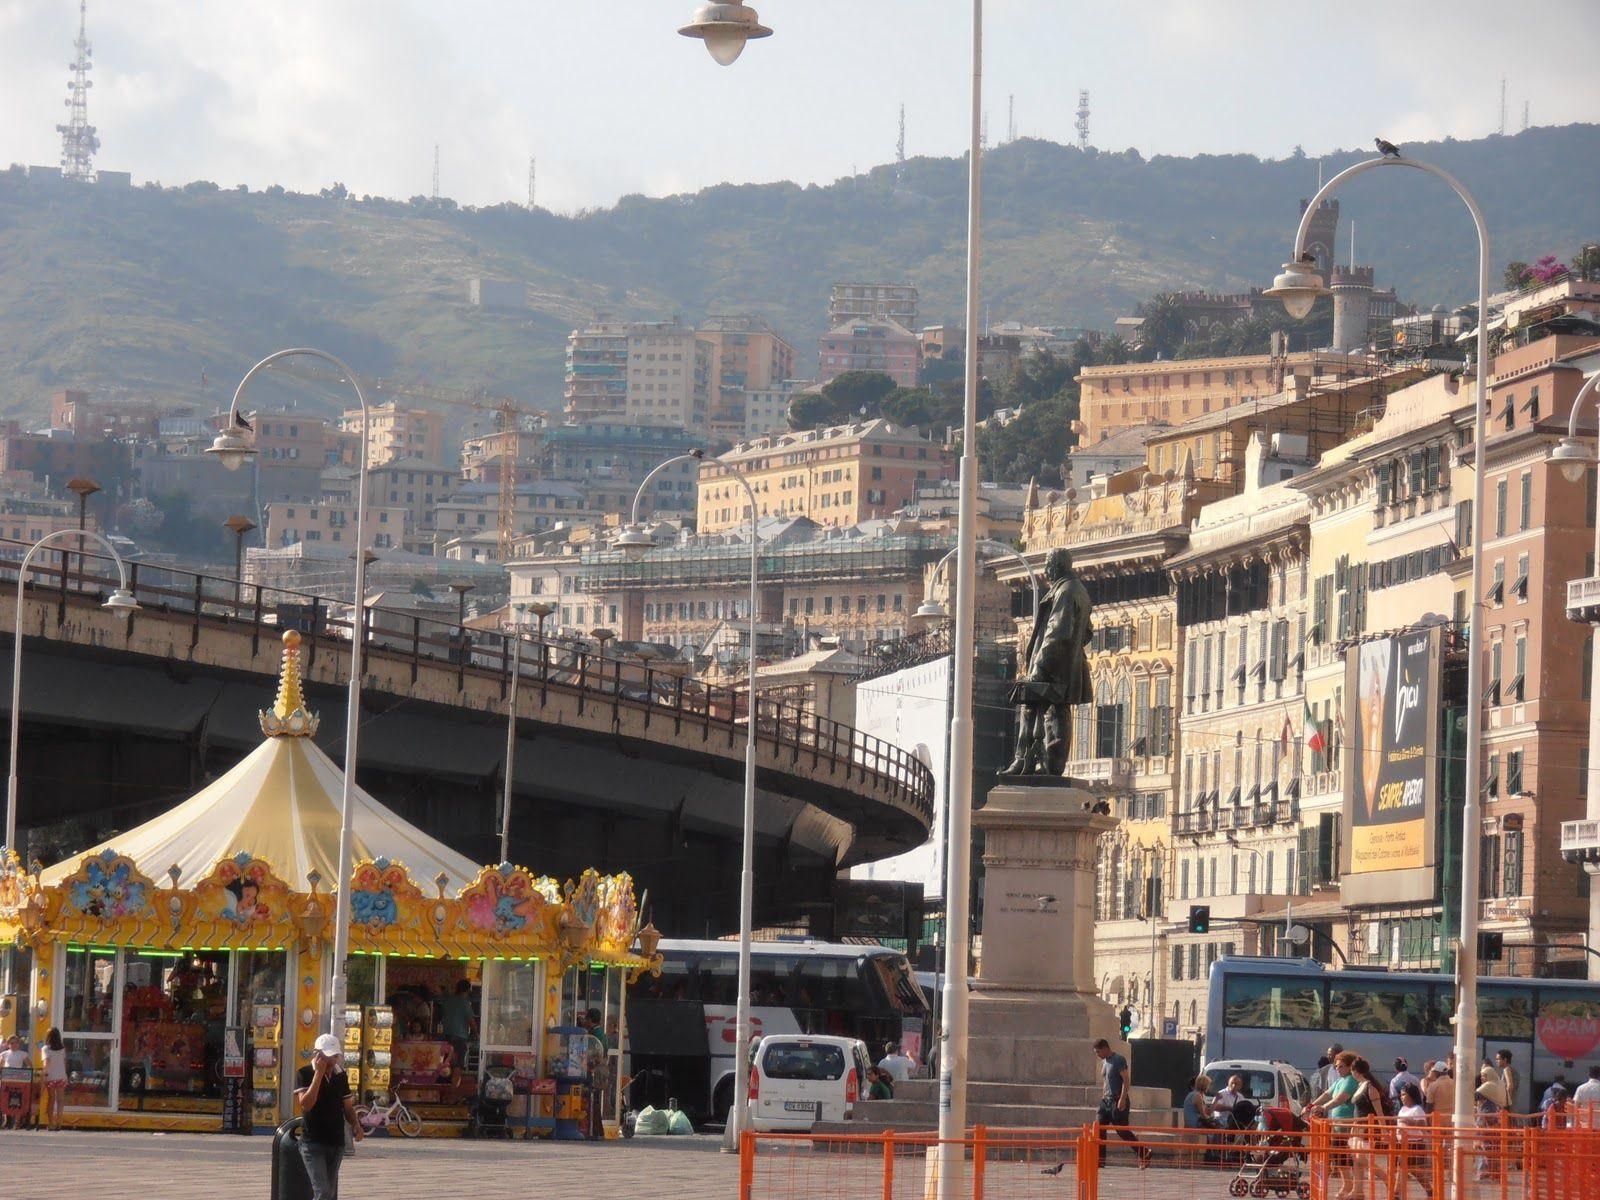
1331	1161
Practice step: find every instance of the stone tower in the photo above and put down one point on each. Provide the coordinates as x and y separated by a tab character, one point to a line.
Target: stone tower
1320	236
1352	306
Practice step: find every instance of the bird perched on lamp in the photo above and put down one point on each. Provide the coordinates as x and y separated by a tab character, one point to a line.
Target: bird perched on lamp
1387	149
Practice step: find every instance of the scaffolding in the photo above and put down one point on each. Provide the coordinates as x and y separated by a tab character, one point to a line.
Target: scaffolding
823	560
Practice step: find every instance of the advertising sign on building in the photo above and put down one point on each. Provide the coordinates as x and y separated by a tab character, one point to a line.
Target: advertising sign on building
1391	781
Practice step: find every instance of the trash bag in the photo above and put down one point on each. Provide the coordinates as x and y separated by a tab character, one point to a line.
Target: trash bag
651	1121
679	1122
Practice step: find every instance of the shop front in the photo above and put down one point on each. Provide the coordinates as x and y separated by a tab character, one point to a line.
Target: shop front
187	962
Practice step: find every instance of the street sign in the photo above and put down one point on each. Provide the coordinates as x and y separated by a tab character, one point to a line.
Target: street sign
1169	1027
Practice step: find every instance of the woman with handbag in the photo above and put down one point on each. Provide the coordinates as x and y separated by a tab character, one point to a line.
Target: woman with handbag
1368	1137
1337	1103
1492	1101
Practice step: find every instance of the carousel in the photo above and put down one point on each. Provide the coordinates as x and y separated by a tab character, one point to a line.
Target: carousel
187	962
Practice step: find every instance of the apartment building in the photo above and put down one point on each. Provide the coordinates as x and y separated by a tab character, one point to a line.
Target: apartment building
474	508
839	476
881	344
289	522
639	373
1242	592
1126	395
849	302
418	486
395	433
610	460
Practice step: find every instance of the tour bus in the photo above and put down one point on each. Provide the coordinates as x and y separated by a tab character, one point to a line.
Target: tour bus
681	1024
1293	1008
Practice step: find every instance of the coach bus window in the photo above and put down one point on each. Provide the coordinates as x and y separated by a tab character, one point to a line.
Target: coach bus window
1444	1010
1376	1008
719	978
1265	1002
1559	1006
1504	1014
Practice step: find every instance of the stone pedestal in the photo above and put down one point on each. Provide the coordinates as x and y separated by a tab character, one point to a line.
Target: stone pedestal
1035	1009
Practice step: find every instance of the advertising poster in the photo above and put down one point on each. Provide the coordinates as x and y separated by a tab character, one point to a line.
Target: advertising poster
1390	780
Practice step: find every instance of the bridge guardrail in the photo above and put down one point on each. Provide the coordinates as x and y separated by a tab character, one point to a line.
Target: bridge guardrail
552	664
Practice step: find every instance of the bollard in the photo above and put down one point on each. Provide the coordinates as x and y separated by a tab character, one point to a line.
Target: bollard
289	1178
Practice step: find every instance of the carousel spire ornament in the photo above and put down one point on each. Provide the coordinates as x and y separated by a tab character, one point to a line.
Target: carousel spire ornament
288	717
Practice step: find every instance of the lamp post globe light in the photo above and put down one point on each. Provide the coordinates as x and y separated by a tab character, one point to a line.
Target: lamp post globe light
725	28
1298	286
233	446
120	601
932	610
635	540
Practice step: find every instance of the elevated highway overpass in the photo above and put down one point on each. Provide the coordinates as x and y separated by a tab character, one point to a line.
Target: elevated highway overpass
619	765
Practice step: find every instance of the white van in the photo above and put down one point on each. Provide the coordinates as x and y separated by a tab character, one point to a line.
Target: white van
798	1079
1267	1083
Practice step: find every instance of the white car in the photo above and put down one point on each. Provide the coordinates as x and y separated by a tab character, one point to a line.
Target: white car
798	1079
1267	1084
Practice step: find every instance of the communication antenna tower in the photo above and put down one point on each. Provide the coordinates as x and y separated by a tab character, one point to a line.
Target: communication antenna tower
1083	119
900	151
1011	118
531	164
436	172
1524	116
78	139
1502	106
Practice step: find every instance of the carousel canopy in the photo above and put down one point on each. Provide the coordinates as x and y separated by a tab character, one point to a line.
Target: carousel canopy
280	803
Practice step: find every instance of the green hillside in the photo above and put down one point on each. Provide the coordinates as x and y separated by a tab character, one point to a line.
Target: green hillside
148	289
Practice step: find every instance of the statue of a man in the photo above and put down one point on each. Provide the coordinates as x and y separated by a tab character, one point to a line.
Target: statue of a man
1054	672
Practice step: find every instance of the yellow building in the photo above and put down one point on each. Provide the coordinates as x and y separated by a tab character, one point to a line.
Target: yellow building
838	476
396	433
1127	395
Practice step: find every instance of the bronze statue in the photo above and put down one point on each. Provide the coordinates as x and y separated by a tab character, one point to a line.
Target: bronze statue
1054	672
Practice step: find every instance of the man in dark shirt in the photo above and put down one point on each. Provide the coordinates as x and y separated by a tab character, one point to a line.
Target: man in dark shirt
324	1100
1114	1100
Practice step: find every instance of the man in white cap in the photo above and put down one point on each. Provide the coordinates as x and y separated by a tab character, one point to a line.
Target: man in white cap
324	1099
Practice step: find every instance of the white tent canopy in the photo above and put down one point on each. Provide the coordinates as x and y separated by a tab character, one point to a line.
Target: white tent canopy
281	803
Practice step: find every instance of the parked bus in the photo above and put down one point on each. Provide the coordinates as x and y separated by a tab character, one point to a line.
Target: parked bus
681	1024
1292	1008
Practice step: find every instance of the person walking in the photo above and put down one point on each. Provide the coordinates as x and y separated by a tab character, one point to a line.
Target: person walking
1411	1119
1438	1089
896	1063
327	1106
1337	1103
1508	1077
1114	1098
1491	1096
1402	1076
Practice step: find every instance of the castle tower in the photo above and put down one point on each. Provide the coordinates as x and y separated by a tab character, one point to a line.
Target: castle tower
1352	307
1320	236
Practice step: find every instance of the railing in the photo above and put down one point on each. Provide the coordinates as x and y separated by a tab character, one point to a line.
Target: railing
1497	1160
553	665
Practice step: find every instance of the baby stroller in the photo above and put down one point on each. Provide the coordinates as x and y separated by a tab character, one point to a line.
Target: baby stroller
1277	1164
487	1110
1240	1119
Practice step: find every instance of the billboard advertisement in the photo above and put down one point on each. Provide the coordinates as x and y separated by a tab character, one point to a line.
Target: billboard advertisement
1391	780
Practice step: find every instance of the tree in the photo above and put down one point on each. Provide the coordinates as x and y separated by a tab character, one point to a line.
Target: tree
1163	330
846	397
1515	276
1034	445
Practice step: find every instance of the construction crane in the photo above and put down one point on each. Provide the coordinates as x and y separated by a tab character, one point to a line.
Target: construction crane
507	438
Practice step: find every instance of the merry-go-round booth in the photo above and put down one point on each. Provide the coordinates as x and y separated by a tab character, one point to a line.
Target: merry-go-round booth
187	962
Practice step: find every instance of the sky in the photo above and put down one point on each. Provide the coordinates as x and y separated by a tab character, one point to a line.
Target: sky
611	101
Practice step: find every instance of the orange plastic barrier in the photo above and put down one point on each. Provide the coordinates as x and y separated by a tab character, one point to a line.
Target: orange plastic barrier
1507	1160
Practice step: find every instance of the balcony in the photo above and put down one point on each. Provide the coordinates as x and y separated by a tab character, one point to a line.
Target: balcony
1115	773
1583	600
1580	840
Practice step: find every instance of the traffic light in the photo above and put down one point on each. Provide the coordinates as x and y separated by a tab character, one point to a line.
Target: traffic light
1491	946
1126	1017
1199	918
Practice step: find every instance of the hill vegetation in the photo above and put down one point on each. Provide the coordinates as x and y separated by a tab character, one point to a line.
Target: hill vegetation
175	291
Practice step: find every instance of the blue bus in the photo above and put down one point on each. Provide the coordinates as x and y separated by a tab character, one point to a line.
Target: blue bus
1292	1008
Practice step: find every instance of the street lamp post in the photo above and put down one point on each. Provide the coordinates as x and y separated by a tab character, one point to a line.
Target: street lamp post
232	447
933	610
637	537
1298	287
953	1055
725	28
121	600
83	489
511	725
239	526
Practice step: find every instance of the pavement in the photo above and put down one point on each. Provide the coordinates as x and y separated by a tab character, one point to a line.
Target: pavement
101	1165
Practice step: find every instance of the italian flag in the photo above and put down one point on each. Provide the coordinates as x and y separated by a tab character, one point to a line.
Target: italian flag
1313	732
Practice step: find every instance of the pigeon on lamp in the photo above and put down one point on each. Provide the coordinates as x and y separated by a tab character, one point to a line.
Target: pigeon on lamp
240	423
1307	257
1387	149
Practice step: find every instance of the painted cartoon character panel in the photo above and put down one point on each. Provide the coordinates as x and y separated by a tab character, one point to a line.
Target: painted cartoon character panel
508	899
110	887
243	891
379	891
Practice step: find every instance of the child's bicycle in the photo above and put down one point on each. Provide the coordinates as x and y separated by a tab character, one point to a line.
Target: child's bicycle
395	1116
